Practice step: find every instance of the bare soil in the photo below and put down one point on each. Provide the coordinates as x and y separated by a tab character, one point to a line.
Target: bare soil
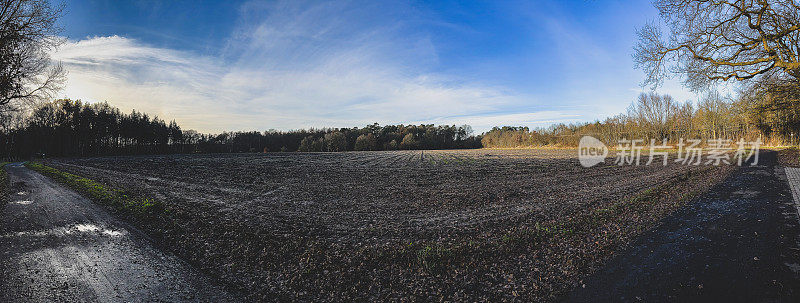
409	225
739	242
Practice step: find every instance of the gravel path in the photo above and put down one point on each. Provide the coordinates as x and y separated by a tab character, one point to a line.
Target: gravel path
56	246
737	243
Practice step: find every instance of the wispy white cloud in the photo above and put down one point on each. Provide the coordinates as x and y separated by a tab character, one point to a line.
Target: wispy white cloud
294	65
535	119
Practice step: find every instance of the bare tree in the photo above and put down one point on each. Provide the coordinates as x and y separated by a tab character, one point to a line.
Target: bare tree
654	114
28	33
711	40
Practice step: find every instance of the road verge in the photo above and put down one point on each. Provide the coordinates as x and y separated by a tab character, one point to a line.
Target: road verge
141	210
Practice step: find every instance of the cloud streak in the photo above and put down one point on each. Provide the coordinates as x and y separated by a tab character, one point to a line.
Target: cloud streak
294	65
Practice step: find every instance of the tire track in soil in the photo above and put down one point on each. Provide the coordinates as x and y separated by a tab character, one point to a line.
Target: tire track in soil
396	157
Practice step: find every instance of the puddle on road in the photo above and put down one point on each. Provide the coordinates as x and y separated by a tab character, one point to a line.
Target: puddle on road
759	172
95	228
747	194
22	202
83	228
793	266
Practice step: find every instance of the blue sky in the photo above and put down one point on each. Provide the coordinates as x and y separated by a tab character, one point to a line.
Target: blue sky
257	65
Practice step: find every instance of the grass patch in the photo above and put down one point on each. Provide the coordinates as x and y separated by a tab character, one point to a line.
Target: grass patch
435	258
140	208
527	237
789	157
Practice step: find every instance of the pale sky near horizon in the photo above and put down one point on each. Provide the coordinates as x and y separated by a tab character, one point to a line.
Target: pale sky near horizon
257	65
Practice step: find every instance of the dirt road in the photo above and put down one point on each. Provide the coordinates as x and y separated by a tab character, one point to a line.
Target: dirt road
56	246
737	243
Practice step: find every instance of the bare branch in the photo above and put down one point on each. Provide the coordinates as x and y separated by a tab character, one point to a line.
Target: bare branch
713	40
27	34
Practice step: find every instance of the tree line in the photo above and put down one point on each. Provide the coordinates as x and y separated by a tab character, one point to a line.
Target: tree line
756	112
369	138
73	128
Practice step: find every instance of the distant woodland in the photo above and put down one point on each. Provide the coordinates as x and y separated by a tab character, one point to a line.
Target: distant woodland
773	117
72	128
67	128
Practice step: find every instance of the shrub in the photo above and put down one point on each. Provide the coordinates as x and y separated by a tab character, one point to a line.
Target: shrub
366	142
409	142
335	141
